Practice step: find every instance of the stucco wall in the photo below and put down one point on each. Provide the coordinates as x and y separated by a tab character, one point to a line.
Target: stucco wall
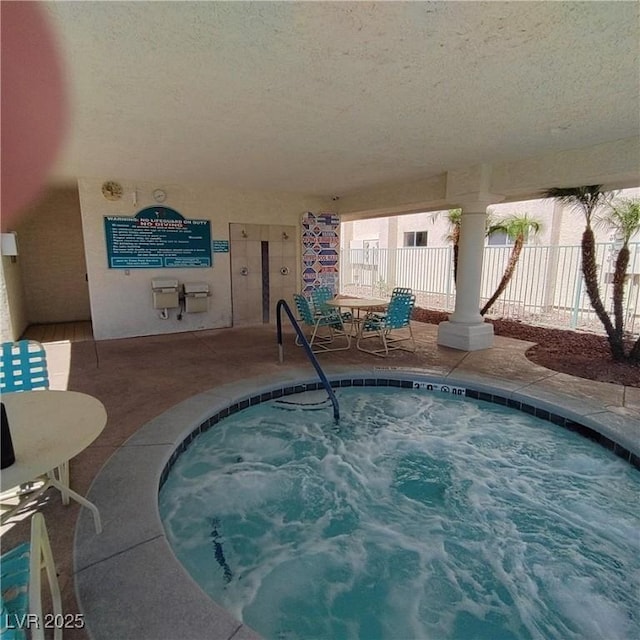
121	300
52	258
379	229
13	316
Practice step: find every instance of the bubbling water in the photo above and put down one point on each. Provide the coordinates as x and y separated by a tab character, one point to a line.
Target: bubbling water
420	516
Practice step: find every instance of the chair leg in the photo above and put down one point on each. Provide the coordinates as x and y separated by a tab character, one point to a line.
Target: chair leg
413	340
63	477
22	490
383	337
389	342
83	501
313	338
399	341
61	474
341	333
41	556
380	334
320	342
52	481
29	498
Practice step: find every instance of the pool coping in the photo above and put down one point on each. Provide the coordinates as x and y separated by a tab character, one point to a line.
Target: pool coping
129	584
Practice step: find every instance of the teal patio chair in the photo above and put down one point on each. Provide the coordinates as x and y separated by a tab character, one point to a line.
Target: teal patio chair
393	329
21	572
402	291
325	326
319	297
397	291
23	367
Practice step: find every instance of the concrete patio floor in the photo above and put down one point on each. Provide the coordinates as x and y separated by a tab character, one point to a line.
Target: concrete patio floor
139	379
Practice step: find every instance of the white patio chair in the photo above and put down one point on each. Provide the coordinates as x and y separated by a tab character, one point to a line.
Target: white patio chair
21	572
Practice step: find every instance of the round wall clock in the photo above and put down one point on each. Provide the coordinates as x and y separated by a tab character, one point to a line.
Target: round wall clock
159	195
112	190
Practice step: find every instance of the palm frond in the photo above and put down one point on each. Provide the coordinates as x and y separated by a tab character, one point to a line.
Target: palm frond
516	225
586	199
623	217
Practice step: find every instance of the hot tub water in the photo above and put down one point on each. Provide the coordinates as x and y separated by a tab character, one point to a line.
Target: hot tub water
420	516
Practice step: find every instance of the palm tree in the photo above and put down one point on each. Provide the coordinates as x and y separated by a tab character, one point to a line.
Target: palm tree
517	227
589	200
624	218
454	216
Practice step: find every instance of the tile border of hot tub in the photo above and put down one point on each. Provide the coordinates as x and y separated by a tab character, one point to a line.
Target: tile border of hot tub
131	569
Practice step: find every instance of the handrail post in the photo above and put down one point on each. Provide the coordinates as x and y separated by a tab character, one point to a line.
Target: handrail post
282	304
279	331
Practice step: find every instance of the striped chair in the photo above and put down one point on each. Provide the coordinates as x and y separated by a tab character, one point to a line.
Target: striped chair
393	329
319	297
21	572
397	291
329	322
23	367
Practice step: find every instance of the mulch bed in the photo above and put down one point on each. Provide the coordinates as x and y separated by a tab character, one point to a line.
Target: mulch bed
581	354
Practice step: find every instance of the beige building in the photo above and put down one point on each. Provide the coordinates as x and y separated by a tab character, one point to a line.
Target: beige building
560	226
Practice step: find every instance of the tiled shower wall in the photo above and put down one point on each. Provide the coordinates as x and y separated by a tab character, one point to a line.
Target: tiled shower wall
263	270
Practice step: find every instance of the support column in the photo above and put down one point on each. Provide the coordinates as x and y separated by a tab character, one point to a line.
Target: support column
392	252
345	277
466	328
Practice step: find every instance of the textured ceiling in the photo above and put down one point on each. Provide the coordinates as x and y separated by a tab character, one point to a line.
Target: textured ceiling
332	97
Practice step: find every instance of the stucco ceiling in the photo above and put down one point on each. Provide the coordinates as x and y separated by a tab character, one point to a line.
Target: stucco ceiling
328	98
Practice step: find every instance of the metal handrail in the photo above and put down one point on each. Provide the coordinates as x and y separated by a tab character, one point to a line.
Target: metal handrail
282	304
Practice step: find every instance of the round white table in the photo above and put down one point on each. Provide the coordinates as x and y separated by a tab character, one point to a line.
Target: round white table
357	305
49	428
361	304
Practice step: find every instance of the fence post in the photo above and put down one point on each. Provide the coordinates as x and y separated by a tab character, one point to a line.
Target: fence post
573	323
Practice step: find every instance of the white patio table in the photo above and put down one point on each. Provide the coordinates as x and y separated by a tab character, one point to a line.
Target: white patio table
47	429
356	305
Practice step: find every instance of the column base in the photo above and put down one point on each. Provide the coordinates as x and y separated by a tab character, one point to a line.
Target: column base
466	337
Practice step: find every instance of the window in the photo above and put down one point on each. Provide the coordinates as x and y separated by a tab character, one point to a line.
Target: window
415	239
499	239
